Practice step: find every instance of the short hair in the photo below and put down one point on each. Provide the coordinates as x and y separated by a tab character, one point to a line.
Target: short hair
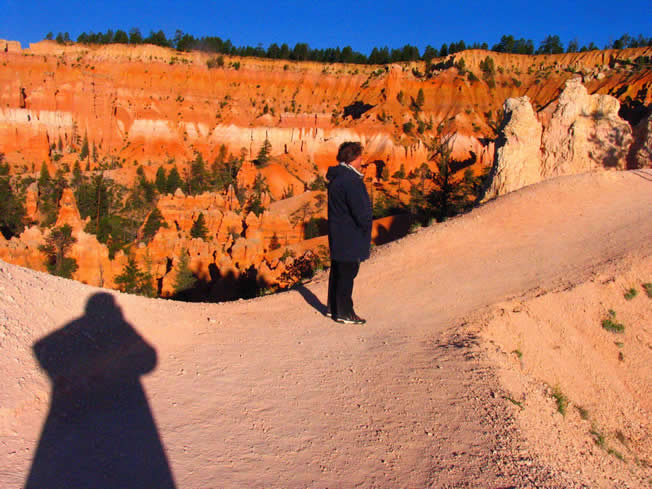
349	151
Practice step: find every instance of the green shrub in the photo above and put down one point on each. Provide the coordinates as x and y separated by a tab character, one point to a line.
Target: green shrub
648	289
487	66
598	437
611	325
217	62
584	413
560	399
630	294
615	453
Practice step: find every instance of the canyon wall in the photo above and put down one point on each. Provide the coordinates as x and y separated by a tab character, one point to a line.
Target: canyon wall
146	103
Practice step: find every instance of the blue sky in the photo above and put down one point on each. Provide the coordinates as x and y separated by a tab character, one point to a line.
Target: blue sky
362	24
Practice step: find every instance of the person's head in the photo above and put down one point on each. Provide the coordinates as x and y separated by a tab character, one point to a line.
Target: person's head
349	151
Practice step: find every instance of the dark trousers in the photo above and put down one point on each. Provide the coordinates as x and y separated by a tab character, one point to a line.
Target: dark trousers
340	287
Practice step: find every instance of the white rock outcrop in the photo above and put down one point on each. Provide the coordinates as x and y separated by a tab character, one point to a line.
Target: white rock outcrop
585	133
517	156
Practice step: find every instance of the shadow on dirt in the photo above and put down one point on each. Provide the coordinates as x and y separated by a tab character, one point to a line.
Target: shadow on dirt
99	431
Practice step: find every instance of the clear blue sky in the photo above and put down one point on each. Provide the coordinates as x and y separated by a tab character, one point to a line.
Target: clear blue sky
362	24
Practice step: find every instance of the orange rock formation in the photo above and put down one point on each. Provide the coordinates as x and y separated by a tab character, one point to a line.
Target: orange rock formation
146	103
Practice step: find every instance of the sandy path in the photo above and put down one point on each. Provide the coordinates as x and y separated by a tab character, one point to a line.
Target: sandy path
269	393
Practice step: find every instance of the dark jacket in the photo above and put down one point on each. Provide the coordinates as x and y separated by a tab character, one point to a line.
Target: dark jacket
349	215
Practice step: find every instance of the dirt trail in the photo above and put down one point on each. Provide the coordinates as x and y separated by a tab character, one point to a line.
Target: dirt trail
270	393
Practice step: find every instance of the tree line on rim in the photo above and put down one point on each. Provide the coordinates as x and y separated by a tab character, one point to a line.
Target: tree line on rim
181	41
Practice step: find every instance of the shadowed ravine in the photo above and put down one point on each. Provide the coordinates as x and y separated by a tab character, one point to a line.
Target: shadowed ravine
269	393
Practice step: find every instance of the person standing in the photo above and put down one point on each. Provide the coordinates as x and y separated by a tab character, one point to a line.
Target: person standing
349	230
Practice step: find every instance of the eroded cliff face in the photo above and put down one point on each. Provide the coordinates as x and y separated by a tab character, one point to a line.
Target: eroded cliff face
146	103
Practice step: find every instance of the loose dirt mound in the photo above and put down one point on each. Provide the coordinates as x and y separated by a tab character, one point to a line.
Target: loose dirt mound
269	393
579	387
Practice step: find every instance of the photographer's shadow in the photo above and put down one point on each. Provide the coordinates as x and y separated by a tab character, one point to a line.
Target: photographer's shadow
100	431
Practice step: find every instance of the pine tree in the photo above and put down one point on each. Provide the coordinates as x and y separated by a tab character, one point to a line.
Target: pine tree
550	45
264	153
148	188
420	99
224	171
430	53
135	37
174	180
198	178
450	196
185	279
47	197
94	199
12	212
398	176
84	149
44	178
274	243
161	180
56	247
255	203
77	177
134	281
418	195
153	223
221	155
199	229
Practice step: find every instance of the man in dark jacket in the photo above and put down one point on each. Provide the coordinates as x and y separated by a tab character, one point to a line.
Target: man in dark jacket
349	230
